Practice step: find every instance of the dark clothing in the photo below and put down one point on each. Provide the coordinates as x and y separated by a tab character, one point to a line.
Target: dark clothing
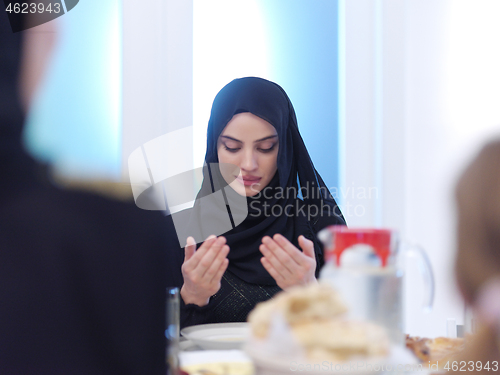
82	280
232	303
236	297
82	277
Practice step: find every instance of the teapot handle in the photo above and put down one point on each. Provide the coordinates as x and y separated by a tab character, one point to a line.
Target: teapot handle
425	269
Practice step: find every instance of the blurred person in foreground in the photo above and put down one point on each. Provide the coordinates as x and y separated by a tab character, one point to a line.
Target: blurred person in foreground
478	258
82	277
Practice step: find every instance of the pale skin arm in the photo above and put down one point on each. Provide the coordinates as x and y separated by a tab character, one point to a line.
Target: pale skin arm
286	264
203	269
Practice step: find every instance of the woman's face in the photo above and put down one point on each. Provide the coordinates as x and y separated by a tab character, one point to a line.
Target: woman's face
251	144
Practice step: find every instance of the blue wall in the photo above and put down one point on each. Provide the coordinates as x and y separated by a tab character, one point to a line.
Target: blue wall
303	47
75	120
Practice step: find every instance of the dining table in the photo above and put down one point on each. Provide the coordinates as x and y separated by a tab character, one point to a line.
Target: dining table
215	349
238	358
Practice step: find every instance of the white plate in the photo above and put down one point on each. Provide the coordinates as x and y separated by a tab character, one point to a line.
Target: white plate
218	336
268	363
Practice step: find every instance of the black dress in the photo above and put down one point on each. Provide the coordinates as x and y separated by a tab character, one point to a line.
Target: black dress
236	297
232	303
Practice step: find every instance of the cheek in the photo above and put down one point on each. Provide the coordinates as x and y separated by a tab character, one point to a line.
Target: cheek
228	164
222	155
225	156
271	164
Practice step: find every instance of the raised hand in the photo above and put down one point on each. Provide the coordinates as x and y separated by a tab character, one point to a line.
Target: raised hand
203	269
285	263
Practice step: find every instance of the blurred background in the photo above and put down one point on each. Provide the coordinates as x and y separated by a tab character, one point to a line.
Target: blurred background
393	97
75	120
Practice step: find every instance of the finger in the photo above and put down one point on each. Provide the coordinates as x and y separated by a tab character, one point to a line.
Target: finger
215	265
282	255
222	268
205	246
275	262
190	248
209	256
191	263
272	271
290	249
280	260
307	247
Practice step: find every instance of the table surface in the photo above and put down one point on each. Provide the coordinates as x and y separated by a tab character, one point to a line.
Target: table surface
234	362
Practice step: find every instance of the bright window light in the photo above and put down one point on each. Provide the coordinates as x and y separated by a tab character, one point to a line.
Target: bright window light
471	71
229	41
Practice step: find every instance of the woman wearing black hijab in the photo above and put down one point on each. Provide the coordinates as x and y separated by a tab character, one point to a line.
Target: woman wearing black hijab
253	127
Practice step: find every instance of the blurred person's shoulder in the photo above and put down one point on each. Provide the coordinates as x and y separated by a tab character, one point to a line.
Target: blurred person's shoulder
112	205
490	153
484	167
106	219
493	144
98	211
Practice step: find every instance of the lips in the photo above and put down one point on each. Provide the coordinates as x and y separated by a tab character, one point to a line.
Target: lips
248	180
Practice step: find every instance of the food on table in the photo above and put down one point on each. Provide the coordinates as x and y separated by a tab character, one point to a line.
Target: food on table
315	316
220	368
339	340
438	350
300	304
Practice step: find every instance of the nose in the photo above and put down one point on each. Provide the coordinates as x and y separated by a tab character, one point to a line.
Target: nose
249	161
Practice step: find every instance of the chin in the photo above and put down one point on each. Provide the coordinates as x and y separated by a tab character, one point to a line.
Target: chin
251	192
248	191
237	187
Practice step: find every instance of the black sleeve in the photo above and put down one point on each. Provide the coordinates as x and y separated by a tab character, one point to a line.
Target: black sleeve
192	314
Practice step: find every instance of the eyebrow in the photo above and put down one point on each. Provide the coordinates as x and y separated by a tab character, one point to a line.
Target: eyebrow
258	140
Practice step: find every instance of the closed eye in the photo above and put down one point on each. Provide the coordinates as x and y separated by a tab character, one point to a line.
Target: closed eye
231	149
266	150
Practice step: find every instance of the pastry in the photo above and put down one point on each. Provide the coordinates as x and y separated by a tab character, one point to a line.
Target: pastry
440	349
315	316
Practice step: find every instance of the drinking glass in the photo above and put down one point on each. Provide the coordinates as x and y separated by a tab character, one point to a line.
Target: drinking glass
172	330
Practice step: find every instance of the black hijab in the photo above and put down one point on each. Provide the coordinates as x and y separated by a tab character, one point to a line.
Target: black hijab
292	216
